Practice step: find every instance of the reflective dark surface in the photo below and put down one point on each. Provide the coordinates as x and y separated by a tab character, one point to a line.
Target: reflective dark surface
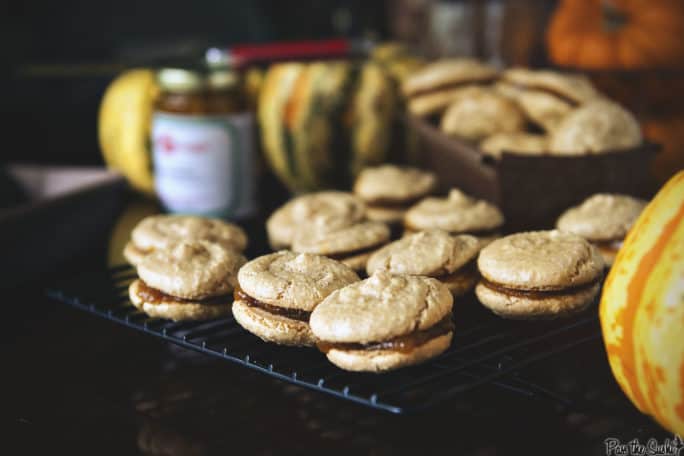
75	383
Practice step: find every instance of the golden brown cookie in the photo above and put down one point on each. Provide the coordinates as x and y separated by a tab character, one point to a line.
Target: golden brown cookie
277	293
160	231
456	214
546	96
330	207
384	322
434	253
189	280
481	114
352	244
447	73
603	219
539	274
389	190
595	127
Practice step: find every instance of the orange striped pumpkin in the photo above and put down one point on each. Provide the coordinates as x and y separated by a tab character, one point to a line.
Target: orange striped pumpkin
642	309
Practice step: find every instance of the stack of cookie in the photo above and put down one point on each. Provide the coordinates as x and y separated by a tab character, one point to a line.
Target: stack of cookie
520	111
187	266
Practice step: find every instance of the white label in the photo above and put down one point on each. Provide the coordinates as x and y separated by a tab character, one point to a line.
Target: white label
204	165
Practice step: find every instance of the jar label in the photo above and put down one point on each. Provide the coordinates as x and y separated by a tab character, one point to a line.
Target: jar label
205	165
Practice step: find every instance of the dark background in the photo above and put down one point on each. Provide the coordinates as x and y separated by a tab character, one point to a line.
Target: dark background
61	55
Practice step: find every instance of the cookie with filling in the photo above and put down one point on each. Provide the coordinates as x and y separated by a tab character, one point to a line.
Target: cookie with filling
539	274
604	220
189	280
384	322
278	292
433	253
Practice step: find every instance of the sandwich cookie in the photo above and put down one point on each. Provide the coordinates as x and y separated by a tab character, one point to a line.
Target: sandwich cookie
332	208
481	113
545	96
596	127
384	322
539	274
390	190
277	293
517	143
435	86
352	244
456	214
190	280
160	231
434	253
604	220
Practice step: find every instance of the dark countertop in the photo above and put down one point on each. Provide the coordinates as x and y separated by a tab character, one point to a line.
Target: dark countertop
76	383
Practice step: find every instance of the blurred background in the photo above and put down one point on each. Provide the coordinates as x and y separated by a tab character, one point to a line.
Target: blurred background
61	55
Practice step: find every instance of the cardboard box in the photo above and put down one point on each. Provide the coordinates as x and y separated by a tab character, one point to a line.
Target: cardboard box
532	191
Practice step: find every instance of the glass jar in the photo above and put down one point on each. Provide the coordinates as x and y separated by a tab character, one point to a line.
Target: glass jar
203	143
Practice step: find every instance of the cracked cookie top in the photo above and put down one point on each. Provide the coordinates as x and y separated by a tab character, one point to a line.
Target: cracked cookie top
381	307
540	260
294	281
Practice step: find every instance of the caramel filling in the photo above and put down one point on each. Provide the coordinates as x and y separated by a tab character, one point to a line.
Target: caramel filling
546	90
151	295
293	314
537	294
389	203
344	255
477	233
403	344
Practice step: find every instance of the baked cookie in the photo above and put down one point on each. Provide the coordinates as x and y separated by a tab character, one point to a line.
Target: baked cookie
384	322
546	96
389	190
481	113
595	127
189	280
160	231
456	214
434	253
333	208
277	293
519	143
539	274
431	89
604	220
351	244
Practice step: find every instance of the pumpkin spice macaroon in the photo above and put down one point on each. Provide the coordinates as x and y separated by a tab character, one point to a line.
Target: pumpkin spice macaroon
434	253
160	231
539	274
389	190
458	213
546	96
384	322
604	220
596	127
277	293
189	280
351	244
432	88
332	207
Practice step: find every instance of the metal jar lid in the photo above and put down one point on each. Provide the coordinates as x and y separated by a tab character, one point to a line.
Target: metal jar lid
181	80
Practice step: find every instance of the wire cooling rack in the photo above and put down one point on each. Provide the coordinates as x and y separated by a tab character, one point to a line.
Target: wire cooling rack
486	350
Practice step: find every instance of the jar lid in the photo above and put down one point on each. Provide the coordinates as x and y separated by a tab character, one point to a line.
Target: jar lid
222	79
183	80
